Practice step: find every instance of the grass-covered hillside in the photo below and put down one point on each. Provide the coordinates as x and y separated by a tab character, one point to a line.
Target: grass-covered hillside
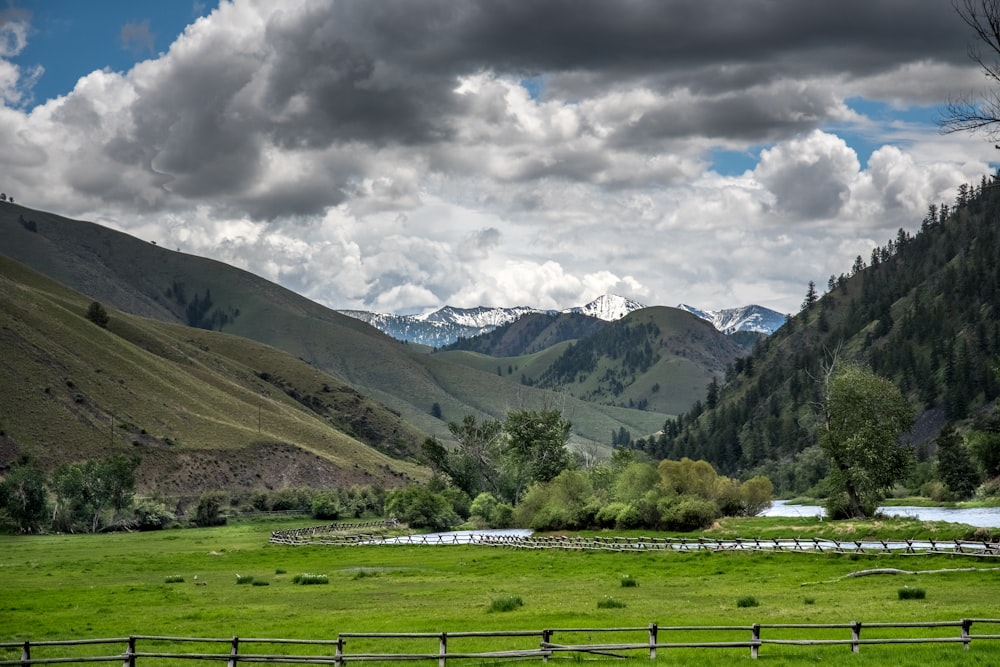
200	409
135	276
656	359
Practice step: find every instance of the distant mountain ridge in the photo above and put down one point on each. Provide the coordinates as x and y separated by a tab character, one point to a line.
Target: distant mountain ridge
447	325
752	318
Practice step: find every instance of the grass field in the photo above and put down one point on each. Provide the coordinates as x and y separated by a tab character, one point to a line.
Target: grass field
184	583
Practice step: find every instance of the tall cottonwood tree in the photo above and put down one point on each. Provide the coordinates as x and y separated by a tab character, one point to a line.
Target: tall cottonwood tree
503	458
864	416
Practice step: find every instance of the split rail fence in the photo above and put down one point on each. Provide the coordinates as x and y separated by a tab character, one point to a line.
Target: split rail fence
375	647
333	536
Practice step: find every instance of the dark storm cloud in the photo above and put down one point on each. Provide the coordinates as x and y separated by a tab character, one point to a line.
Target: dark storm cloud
648	36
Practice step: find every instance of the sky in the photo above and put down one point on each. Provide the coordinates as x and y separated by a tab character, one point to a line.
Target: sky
400	155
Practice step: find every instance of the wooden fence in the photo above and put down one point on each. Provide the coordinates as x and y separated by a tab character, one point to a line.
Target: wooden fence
440	646
322	535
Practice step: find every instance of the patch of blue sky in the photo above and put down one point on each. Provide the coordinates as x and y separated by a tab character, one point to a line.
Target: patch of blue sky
534	85
733	163
882	112
884	125
72	39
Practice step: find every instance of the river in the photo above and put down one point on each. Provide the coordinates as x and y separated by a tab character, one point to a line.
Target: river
986	517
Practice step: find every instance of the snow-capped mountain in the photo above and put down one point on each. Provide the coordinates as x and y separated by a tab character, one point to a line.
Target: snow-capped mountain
608	307
482	317
746	318
414	330
446	325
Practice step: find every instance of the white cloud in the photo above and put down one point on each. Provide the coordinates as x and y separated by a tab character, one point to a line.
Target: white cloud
349	156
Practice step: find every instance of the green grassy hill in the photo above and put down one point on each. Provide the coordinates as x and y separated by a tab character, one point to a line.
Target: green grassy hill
138	277
531	333
658	359
200	409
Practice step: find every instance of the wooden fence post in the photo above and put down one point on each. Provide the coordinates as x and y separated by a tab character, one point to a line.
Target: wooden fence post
443	650
546	636
234	651
338	657
26	654
966	626
755	639
855	636
652	641
129	657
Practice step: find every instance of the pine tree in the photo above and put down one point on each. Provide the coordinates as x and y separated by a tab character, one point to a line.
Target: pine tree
955	467
811	296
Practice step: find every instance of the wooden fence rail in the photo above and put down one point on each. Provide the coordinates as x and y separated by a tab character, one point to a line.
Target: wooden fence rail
321	535
334	651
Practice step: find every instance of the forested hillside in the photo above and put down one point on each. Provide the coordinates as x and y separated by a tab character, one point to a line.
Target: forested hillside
530	333
921	311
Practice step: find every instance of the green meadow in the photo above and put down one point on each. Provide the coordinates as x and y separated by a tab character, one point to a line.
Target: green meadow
194	583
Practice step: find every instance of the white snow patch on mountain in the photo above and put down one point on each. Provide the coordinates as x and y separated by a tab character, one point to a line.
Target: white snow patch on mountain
446	325
745	318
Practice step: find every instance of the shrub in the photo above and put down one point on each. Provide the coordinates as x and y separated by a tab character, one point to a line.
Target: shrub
690	513
747	601
209	512
151	514
628	581
280	571
489	512
326	505
506	603
609	602
907	593
261	583
810	600
310	579
419	507
98	315
240	579
174	579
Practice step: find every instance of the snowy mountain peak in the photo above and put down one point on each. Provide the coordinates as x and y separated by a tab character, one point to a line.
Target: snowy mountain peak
745	318
481	317
608	307
446	325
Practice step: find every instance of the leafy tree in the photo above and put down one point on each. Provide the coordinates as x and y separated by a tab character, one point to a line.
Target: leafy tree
419	507
85	491
98	315
985	448
24	497
536	445
635	481
563	503
474	466
864	416
955	467
326	505
687	477
487	511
